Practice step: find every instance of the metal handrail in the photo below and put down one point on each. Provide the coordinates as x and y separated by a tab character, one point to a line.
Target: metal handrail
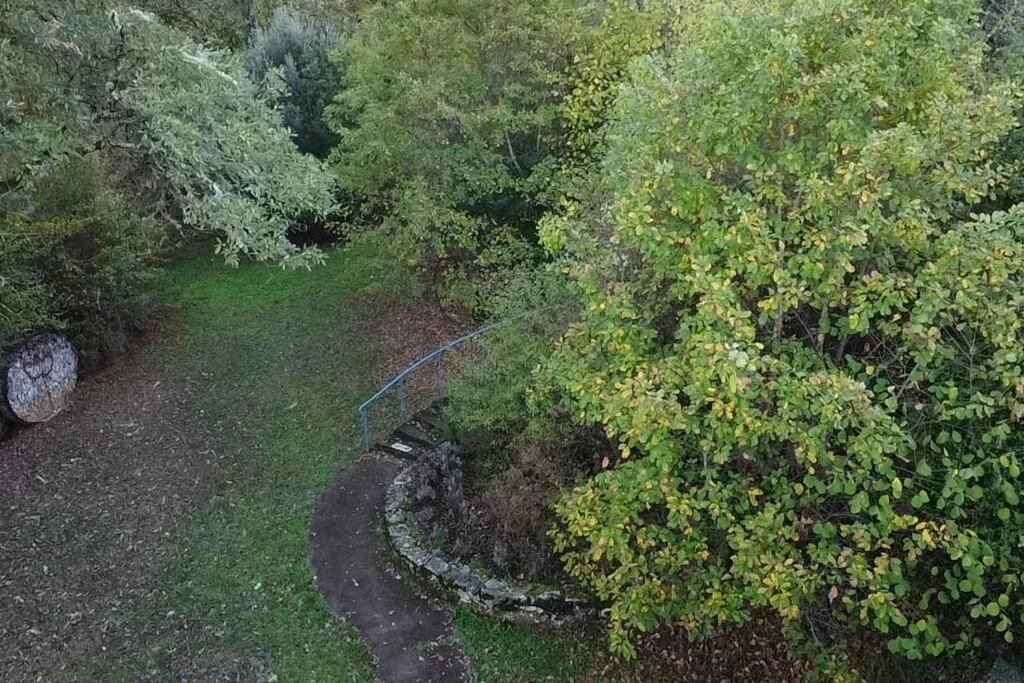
398	383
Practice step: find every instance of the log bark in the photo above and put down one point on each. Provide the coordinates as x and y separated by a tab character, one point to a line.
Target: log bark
37	378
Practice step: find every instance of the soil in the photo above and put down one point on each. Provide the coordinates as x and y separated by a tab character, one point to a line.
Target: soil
754	653
410	333
88	503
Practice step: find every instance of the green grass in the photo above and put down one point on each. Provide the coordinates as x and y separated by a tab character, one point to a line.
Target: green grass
505	652
282	360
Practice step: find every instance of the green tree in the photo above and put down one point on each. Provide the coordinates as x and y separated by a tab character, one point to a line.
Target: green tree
449	120
209	146
217	146
804	344
302	51
221	23
99	106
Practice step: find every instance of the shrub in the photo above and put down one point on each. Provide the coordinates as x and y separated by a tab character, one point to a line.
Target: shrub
26	303
805	346
531	307
302	52
80	263
518	457
1003	21
626	30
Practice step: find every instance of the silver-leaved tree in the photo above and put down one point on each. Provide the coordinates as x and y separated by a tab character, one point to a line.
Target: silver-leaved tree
185	128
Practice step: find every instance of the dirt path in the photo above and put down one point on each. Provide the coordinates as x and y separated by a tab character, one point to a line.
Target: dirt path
87	505
158	529
411	638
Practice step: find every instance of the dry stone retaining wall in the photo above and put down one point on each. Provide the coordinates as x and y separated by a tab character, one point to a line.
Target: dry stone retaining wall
477	589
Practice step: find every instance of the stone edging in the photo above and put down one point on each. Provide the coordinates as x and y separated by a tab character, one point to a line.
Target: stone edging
506	599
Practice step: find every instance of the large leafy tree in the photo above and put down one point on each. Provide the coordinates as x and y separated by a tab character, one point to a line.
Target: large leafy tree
449	118
804	342
186	121
216	144
109	117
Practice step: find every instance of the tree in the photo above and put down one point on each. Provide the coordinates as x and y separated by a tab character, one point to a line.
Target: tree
215	142
448	121
302	52
108	118
217	155
221	23
804	344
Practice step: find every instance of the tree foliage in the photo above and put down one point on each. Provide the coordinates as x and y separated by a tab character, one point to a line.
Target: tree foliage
804	342
302	52
215	142
109	117
448	119
213	147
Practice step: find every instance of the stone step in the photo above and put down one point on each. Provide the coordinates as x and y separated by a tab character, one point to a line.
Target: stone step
402	447
412	432
429	419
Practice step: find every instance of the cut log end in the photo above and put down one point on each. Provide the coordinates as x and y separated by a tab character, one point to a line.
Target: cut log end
37	379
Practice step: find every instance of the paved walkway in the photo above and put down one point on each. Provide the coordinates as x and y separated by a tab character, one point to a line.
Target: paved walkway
411	638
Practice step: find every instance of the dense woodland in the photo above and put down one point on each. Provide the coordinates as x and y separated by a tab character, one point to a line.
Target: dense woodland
758	267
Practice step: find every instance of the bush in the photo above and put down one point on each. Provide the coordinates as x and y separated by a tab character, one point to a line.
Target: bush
302	52
80	263
805	346
517	457
531	308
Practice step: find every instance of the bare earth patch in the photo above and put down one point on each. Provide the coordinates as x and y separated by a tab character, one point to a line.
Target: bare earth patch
88	504
411	333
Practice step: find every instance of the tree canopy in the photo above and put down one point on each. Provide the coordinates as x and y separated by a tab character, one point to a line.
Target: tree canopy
805	335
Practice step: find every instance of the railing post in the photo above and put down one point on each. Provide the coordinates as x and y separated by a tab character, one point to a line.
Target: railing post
440	376
365	414
401	401
399	383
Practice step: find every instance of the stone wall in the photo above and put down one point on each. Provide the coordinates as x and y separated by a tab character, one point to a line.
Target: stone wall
497	596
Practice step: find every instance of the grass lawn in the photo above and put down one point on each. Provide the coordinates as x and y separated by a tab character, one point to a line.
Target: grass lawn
282	359
503	652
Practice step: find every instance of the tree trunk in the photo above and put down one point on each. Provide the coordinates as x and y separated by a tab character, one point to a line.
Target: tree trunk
37	379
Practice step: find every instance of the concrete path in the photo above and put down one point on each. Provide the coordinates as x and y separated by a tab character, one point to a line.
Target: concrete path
410	637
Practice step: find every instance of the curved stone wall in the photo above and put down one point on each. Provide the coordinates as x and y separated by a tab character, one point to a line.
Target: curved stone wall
499	597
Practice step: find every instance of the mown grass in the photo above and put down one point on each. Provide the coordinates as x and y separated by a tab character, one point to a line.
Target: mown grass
281	360
504	652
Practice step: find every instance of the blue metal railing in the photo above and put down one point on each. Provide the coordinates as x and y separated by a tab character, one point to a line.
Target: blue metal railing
398	384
